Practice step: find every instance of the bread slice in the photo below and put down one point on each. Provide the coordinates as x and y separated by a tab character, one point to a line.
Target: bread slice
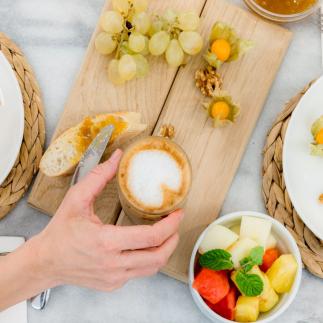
65	152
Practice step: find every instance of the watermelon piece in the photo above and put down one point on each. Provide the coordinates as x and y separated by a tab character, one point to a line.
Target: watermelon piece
212	285
226	306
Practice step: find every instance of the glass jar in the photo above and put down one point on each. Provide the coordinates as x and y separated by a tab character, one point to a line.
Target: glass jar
281	17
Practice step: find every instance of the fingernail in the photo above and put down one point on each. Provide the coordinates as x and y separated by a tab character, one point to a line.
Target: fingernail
116	155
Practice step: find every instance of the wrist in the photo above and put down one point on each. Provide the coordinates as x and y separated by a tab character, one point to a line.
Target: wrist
41	263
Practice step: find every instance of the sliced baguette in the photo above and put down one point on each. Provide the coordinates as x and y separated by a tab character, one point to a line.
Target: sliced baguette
63	155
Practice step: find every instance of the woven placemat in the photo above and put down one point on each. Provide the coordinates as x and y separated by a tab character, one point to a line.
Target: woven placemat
276	196
32	146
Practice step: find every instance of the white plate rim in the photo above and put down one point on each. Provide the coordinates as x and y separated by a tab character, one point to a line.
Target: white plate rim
21	123
287	179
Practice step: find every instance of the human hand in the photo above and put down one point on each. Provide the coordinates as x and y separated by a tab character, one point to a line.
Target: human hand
76	248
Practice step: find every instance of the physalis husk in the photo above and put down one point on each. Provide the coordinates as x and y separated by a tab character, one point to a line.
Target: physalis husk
225	45
317	133
221	109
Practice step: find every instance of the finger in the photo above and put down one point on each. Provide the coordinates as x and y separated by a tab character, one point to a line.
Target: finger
146	236
93	184
154	258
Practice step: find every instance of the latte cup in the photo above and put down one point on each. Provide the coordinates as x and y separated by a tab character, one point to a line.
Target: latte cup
154	179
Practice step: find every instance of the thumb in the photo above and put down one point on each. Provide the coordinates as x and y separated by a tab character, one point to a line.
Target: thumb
93	183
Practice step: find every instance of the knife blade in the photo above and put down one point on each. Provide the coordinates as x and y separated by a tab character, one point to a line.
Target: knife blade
89	160
93	154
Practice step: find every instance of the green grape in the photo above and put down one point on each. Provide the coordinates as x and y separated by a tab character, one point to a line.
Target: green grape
170	16
191	42
188	21
121	5
156	26
127	67
112	22
145	51
137	42
104	43
142	65
139	5
174	53
113	73
124	48
158	43
141	21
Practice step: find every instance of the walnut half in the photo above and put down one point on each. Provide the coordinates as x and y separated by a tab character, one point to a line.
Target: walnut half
208	80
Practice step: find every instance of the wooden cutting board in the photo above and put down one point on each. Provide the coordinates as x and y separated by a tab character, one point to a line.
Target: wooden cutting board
170	96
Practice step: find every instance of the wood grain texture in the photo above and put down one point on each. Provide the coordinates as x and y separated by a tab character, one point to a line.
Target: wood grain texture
169	97
215	154
92	94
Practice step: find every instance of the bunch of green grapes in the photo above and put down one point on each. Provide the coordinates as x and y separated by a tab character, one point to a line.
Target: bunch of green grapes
125	32
130	32
175	35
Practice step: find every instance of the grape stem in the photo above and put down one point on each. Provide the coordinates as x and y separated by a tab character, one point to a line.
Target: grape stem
125	32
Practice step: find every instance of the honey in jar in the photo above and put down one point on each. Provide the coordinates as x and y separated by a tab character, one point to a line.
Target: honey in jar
286	7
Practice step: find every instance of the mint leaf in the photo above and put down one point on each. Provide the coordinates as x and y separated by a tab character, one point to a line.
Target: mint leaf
254	258
256	254
249	284
216	259
246	264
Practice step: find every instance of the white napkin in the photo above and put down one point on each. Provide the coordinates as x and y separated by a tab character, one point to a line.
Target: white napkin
17	313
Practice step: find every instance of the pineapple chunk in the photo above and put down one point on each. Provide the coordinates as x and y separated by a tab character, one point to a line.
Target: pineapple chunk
256	229
247	309
268	299
217	237
241	249
282	273
271	242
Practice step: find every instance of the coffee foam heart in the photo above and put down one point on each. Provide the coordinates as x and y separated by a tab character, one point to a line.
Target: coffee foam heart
150	173
154	175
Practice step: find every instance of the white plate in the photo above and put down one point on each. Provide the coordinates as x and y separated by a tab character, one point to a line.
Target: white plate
304	172
11	118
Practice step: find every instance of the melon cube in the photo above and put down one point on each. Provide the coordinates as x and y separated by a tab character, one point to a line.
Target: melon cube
217	237
256	229
241	249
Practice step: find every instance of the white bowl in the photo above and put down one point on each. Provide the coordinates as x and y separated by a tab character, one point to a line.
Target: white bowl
286	244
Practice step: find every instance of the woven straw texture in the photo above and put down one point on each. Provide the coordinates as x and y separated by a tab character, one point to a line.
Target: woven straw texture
20	177
276	196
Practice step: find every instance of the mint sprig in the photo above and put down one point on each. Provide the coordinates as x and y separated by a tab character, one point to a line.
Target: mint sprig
254	259
216	259
249	284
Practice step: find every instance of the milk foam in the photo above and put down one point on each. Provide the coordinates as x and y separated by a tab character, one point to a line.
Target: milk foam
148	172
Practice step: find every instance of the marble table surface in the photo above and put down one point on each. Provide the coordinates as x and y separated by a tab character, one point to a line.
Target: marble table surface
54	35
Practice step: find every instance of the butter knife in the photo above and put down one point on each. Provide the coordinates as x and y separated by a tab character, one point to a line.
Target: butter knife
90	159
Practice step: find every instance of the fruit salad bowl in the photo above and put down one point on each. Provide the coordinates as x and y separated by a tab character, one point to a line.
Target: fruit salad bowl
232	235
